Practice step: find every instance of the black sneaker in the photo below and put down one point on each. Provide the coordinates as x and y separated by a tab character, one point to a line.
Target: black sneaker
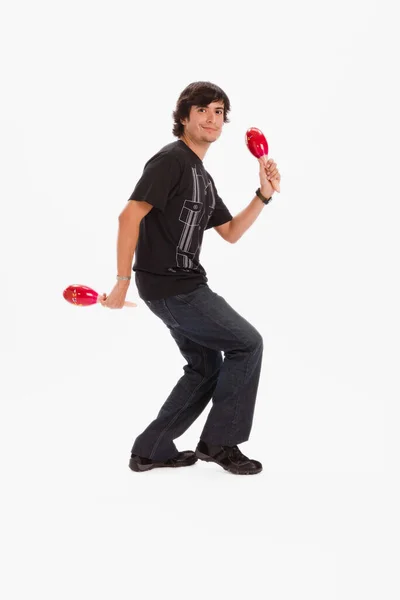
229	458
182	459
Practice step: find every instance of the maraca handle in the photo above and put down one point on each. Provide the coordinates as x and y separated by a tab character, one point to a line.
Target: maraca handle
274	182
126	303
275	185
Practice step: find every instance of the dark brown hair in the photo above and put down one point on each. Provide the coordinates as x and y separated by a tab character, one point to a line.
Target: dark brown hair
198	93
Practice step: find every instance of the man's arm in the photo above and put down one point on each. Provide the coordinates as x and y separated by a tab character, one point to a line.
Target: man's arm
128	234
235	228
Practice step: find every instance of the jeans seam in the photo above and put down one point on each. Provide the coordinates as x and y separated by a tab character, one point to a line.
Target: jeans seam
170	314
172	421
233	423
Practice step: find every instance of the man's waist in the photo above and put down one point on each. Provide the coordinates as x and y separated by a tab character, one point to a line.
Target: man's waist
153	286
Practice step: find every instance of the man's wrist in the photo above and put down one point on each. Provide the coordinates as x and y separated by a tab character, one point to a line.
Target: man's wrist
123	285
123	280
263	195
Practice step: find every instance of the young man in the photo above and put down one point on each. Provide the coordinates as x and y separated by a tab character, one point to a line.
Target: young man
174	201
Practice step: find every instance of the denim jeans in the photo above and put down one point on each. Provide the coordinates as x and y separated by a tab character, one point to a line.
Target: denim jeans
204	326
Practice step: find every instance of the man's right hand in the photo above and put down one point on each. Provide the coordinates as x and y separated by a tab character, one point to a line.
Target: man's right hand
116	299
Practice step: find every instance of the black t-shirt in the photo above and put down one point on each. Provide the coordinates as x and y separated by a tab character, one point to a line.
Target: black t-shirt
186	202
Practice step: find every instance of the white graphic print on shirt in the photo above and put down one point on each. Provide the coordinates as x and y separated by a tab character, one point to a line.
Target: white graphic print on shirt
191	216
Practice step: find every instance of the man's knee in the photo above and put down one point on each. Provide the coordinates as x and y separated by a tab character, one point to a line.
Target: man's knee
256	341
214	362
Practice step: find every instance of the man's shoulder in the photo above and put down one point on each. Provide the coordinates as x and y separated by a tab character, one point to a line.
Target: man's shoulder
174	149
171	148
170	153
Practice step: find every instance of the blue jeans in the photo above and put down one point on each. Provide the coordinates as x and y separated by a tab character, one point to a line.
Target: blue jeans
203	325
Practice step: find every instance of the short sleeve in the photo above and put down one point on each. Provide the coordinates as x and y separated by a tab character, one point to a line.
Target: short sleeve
160	178
221	213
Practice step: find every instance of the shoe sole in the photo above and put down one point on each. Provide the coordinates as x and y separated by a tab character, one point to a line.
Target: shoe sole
207	458
134	466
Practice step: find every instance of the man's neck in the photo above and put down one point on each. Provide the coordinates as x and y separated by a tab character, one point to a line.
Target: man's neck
199	149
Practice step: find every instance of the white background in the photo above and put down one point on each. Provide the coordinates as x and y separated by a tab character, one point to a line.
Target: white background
88	90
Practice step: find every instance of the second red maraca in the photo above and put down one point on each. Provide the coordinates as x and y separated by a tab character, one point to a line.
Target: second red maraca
258	146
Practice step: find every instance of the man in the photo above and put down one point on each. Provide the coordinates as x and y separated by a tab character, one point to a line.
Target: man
174	201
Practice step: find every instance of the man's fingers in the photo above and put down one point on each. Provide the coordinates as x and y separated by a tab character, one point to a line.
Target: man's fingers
273	173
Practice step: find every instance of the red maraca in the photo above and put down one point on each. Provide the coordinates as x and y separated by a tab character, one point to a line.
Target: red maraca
82	295
258	146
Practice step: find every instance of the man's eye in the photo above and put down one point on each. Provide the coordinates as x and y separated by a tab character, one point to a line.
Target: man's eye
220	112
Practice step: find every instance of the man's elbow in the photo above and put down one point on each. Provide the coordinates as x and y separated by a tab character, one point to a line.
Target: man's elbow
225	231
232	237
232	234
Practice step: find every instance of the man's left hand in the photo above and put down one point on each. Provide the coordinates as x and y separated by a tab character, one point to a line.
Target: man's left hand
268	172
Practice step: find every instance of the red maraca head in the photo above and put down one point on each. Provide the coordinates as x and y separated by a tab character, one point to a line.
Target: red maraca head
80	295
256	142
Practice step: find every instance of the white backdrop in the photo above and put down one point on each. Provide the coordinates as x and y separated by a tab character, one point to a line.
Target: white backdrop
88	90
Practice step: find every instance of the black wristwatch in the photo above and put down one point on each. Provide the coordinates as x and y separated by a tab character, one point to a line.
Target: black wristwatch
263	198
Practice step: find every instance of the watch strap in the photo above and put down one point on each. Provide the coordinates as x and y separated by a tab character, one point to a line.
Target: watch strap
263	198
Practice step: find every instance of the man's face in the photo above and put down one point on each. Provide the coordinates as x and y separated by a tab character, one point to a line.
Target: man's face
205	122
